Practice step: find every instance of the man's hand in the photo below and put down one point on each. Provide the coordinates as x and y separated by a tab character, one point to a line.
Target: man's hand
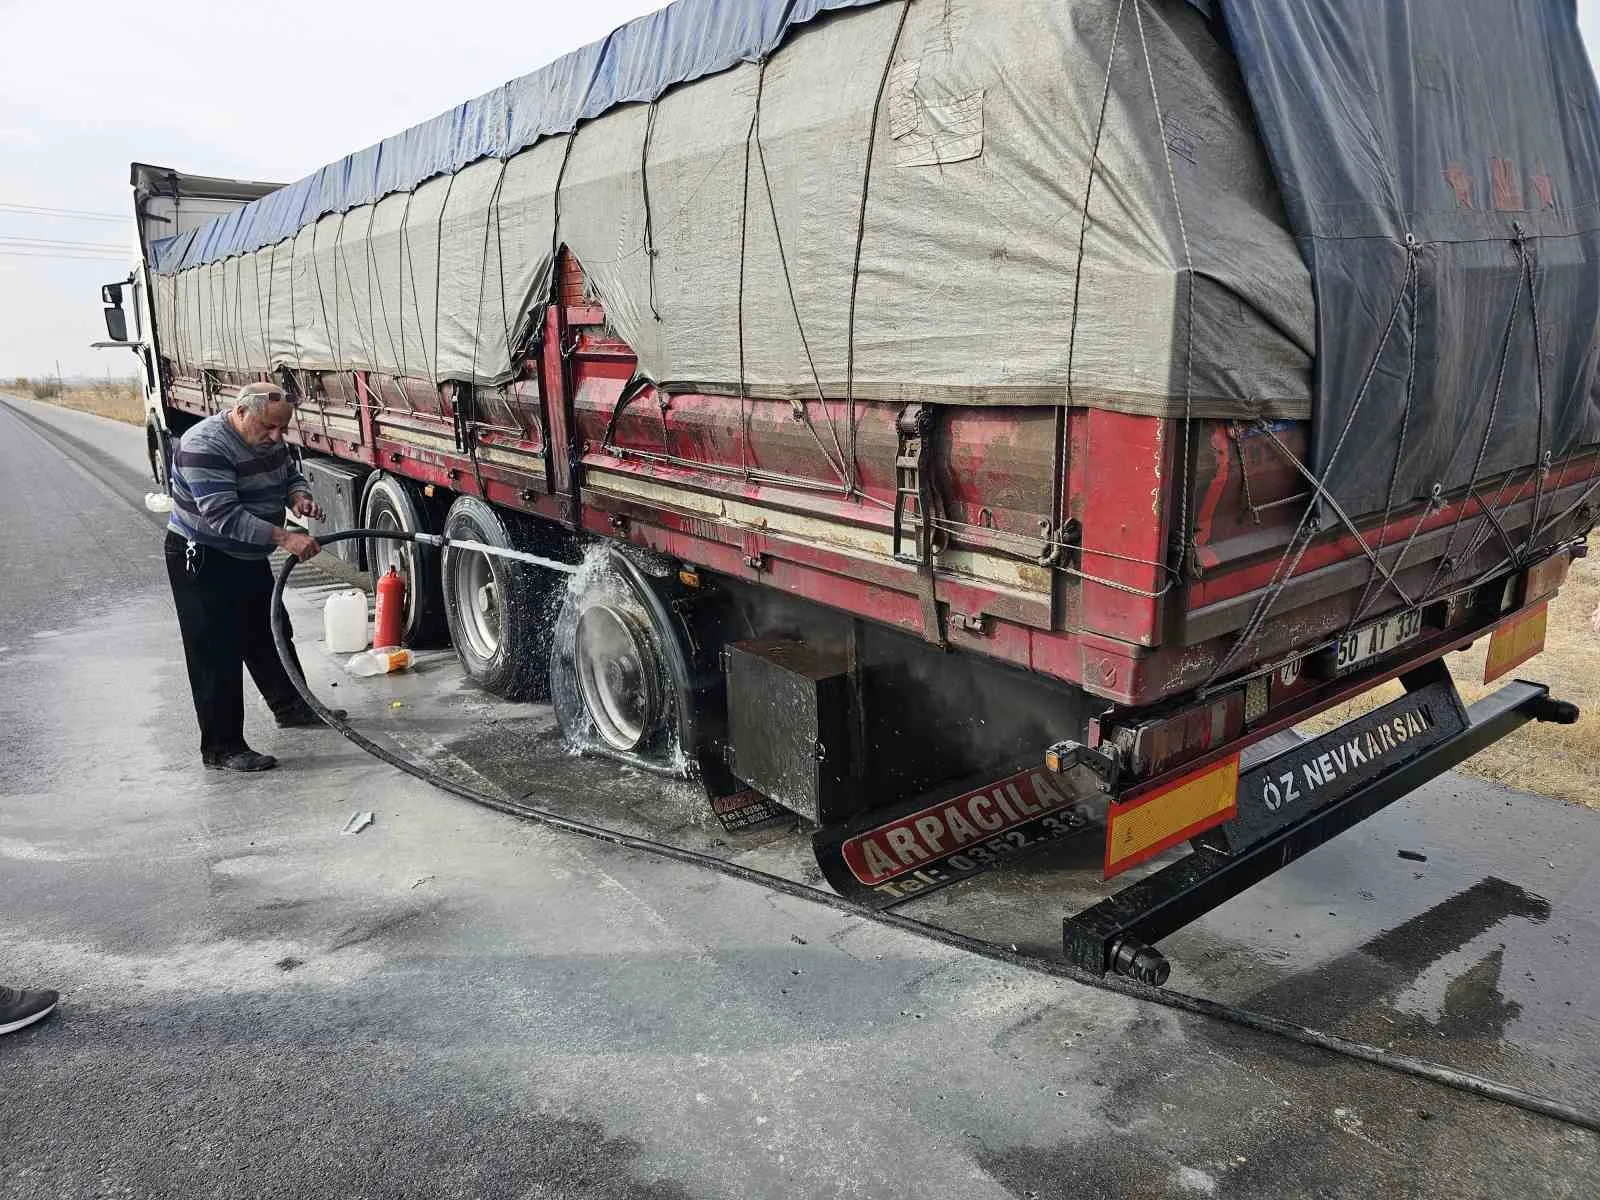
302	505
301	545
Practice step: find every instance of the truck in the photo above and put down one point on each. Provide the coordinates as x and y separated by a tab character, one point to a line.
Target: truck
979	422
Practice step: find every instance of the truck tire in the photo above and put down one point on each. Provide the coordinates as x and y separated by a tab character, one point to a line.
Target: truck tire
499	610
390	503
159	446
634	672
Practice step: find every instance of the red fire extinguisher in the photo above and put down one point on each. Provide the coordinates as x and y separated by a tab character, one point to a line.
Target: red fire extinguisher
390	615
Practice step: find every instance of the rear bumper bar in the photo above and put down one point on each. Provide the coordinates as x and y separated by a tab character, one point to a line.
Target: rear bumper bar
1119	933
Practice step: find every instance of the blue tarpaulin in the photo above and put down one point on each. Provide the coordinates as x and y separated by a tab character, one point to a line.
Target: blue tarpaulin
1439	160
636	63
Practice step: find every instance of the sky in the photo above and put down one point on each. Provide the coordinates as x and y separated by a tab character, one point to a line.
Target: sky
267	91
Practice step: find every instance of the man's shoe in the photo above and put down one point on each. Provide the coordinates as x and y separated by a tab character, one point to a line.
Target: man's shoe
239	760
20	1007
307	718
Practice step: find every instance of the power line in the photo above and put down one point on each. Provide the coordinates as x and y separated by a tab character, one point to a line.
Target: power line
29	243
79	214
65	255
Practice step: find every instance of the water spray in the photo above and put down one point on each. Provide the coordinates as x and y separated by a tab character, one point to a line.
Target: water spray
440	542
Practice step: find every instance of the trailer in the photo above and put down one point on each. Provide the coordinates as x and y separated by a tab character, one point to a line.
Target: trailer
980	422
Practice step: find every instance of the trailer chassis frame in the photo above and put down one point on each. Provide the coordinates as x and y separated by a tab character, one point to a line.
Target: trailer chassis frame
1118	934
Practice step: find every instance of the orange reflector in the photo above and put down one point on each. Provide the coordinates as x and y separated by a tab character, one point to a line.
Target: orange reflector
1154	822
1515	642
689	577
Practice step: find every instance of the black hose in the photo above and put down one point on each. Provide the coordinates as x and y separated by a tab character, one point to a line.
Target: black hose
1390	1060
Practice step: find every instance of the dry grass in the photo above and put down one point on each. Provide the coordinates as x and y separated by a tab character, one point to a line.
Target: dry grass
120	401
1556	760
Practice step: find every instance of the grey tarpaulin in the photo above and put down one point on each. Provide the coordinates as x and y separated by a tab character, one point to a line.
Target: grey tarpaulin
638	62
970	287
1459	123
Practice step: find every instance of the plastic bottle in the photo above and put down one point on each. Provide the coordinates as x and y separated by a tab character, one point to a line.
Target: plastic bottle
344	622
380	662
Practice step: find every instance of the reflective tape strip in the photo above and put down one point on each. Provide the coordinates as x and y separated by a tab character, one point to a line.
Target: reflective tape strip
1162	819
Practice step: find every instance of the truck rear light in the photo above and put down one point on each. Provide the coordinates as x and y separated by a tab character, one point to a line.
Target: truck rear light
1257	698
1146	825
1155	746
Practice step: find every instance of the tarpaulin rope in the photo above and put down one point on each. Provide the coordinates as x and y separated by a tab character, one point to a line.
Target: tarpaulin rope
555	221
1368	596
753	155
272	275
1088	196
1307	528
438	282
861	238
1445	564
801	411
649	215
468	420
1334	506
331	325
235	326
490	222
1181	529
1543	454
261	318
397	354
744	241
294	336
367	336
1490	522
310	379
1185	537
512	349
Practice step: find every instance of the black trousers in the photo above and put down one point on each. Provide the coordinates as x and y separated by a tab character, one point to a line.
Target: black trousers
224	607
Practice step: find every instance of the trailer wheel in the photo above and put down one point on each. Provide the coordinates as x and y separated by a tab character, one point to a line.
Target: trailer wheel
633	671
390	503
499	610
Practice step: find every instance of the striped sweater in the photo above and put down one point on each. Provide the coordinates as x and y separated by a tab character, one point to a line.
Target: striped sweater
228	495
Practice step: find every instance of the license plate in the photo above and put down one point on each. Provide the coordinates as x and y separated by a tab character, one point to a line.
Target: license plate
1318	773
1380	637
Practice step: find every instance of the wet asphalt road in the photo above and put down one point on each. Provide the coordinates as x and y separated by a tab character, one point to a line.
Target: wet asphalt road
456	1004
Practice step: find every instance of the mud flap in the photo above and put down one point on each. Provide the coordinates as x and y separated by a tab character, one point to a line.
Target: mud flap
891	855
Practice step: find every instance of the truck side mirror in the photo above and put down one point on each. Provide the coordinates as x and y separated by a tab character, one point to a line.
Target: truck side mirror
116	318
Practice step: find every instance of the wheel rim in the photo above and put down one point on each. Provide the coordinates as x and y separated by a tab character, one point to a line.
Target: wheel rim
477	602
618	676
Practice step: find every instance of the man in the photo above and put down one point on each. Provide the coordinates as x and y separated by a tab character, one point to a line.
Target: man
232	477
20	1007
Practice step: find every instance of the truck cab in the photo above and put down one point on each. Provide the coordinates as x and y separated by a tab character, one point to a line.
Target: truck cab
166	203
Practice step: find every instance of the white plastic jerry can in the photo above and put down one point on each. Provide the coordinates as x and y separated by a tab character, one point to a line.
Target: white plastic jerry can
344	622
